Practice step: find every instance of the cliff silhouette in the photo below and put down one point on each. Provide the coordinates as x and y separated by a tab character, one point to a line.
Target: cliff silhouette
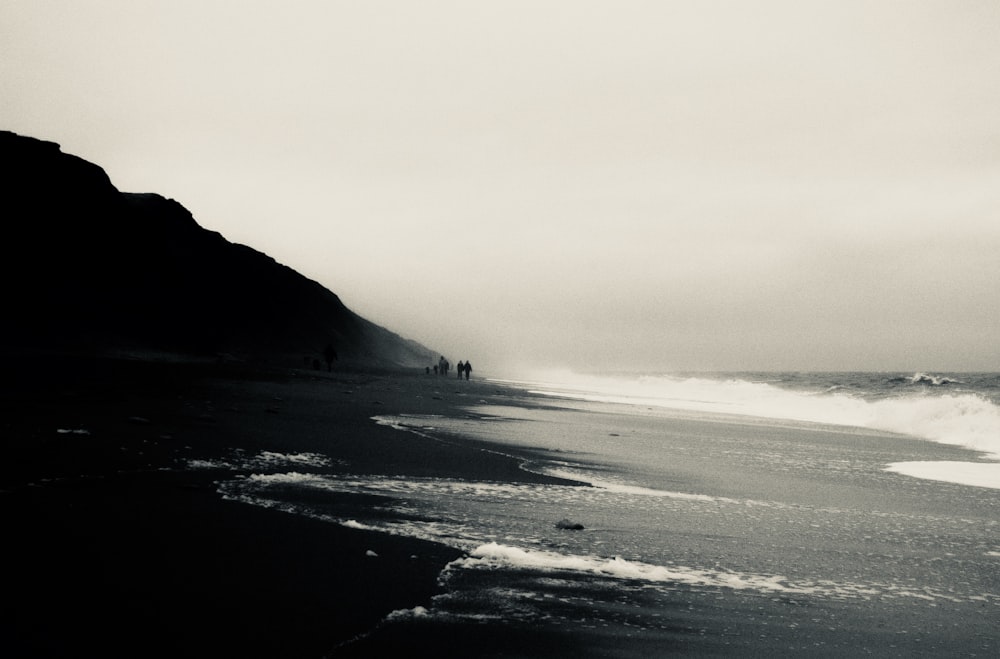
88	267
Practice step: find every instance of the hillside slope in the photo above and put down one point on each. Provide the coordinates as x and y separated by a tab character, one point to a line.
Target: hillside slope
89	267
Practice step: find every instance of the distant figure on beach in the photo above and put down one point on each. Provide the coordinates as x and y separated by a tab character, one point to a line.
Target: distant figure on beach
468	369
428	370
435	370
330	355
460	369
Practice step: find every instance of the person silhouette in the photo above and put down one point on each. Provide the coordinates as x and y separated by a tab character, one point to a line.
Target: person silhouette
468	370
460	369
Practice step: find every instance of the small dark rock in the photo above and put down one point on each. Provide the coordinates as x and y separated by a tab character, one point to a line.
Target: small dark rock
568	525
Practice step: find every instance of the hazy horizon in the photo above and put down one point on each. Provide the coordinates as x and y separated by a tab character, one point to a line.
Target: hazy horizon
656	186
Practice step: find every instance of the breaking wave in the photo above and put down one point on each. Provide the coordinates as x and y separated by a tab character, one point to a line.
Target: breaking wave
938	408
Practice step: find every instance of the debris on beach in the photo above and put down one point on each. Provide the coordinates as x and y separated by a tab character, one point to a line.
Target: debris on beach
568	525
371	554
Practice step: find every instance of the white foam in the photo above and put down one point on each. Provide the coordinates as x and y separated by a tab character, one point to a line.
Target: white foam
290	477
282	459
353	524
407	614
263	460
978	474
392	486
493	556
208	464
619	488
967	420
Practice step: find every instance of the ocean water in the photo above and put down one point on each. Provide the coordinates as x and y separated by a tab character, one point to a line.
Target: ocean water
724	515
961	409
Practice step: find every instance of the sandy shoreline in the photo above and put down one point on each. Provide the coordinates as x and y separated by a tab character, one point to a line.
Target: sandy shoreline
120	543
118	549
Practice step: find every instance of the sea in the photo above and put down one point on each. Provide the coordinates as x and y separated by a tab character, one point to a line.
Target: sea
723	514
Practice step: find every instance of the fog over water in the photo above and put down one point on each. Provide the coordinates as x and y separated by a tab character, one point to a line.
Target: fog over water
632	185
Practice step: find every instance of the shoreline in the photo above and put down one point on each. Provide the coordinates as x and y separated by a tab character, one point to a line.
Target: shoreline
124	545
119	548
973	465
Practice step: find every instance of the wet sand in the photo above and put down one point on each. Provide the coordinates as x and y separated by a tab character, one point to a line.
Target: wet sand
862	561
113	548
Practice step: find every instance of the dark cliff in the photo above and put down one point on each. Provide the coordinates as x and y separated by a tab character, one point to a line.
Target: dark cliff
88	267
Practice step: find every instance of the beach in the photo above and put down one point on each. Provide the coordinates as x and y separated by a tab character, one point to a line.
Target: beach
160	508
116	547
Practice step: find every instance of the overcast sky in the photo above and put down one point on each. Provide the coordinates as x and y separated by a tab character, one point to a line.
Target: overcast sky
661	185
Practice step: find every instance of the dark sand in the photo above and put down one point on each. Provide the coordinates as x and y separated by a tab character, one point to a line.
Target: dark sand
114	549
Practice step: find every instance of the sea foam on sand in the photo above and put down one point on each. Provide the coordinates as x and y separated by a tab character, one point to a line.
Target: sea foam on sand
493	555
978	474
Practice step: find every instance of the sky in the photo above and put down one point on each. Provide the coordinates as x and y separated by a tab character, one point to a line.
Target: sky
628	185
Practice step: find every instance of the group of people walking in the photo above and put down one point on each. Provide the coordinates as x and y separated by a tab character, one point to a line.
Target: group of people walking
443	366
